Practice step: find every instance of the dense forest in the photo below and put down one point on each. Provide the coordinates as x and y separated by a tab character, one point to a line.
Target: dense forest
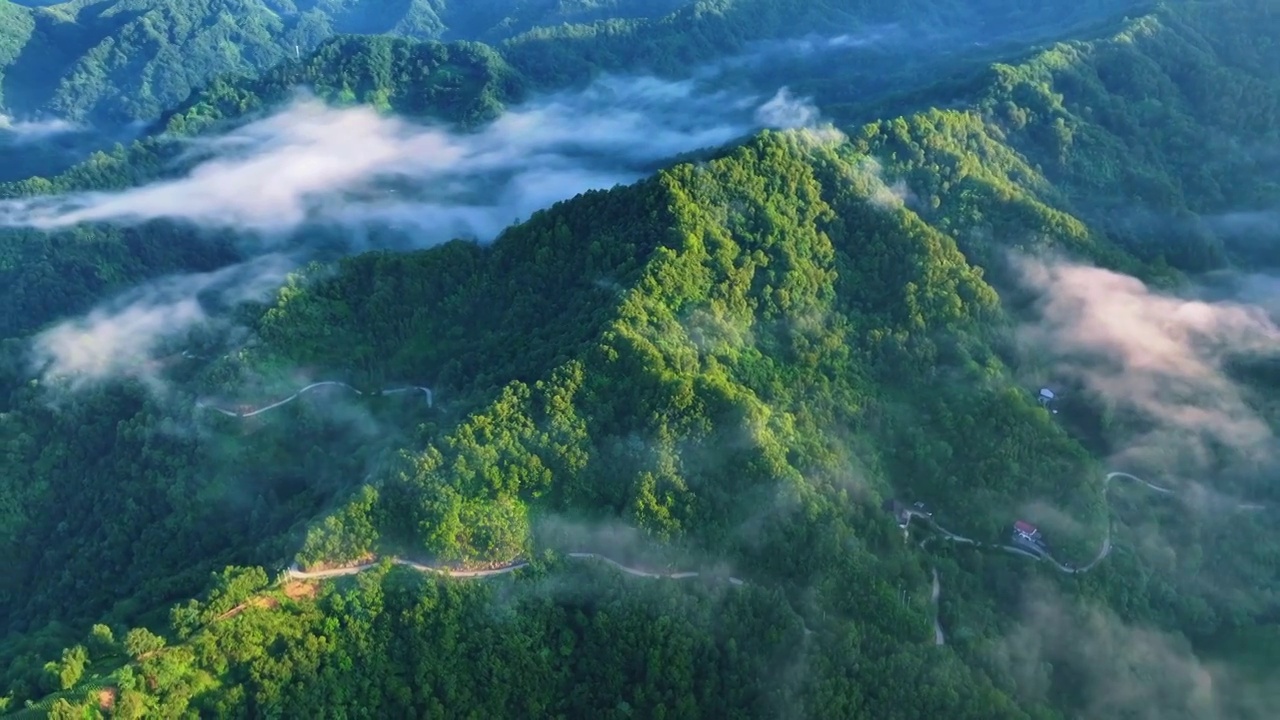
120	61
725	368
127	60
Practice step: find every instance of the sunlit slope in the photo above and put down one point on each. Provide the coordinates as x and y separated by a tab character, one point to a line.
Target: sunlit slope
964	185
794	345
787	310
1175	117
747	323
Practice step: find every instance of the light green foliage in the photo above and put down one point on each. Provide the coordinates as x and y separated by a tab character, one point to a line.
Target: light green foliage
66	673
102	641
16	27
140	641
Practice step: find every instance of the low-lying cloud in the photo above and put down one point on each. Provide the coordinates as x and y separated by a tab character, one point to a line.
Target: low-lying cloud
814	44
121	338
1246	222
314	163
27	131
815	47
311	165
784	110
1156	355
867	176
1084	657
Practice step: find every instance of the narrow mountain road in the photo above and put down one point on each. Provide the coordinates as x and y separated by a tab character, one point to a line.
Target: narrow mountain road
939	636
1103	551
324	383
296	574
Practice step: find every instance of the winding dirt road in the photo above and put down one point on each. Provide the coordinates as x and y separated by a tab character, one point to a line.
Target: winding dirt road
936	590
296	574
324	383
1103	551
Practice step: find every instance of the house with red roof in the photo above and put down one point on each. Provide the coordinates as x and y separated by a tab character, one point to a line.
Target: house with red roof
1029	536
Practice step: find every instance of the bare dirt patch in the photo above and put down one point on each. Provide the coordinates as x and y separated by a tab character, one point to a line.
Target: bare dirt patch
106	699
258	602
301	590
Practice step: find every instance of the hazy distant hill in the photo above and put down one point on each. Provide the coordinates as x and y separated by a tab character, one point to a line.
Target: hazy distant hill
123	60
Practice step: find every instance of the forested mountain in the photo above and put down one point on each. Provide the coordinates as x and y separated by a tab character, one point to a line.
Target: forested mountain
726	367
468	84
89	74
117	61
125	60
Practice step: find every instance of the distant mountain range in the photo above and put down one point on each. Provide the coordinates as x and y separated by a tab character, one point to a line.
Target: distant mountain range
125	60
120	61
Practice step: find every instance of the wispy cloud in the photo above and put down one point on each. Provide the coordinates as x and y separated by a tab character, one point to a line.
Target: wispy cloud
123	337
874	36
867	175
311	162
1246	222
26	131
1156	355
784	110
1087	658
814	46
311	165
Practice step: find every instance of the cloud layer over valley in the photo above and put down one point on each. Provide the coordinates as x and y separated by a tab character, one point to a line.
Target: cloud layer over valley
310	167
311	162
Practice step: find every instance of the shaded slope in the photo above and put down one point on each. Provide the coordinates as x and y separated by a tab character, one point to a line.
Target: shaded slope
16	26
416	79
723	29
477	316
